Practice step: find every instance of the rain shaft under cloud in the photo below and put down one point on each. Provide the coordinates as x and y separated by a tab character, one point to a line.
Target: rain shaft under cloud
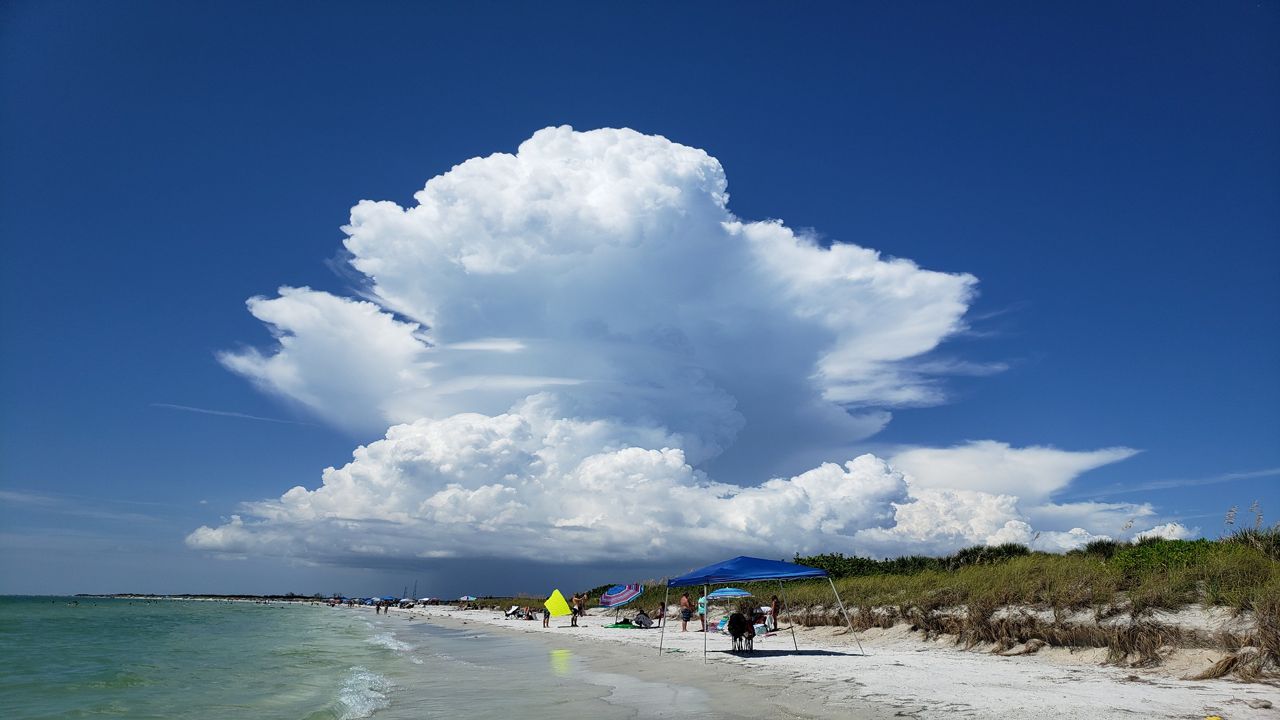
562	346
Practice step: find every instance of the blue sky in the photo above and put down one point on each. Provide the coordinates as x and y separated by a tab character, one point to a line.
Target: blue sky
1110	176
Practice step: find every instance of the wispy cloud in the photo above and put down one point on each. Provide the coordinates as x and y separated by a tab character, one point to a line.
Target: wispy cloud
227	413
1184	482
66	505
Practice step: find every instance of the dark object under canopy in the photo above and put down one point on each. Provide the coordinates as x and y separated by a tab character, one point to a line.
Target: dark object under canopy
742	569
748	569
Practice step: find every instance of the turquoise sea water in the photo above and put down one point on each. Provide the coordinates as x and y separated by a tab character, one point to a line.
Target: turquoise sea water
86	657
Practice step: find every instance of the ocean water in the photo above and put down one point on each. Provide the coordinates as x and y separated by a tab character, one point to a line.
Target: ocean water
86	657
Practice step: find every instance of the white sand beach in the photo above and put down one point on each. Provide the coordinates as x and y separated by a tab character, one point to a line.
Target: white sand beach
901	675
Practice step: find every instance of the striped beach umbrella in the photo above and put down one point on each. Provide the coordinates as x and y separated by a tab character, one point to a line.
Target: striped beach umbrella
620	595
728	593
467	598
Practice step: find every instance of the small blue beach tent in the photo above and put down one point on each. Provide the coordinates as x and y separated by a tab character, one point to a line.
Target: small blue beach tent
750	569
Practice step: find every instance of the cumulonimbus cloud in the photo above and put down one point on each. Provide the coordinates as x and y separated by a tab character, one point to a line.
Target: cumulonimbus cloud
569	342
607	266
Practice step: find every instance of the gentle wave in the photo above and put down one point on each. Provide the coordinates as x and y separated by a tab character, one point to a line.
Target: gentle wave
389	641
364	693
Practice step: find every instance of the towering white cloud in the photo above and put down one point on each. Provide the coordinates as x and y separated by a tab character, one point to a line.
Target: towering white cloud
576	345
606	265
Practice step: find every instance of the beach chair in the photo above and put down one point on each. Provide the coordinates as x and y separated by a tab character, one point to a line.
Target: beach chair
514	609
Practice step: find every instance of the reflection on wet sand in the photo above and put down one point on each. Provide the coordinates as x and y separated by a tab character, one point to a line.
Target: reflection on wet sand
560	661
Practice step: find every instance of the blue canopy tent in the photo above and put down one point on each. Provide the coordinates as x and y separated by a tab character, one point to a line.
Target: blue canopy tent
749	569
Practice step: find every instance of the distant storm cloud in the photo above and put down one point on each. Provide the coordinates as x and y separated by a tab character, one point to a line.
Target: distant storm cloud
568	343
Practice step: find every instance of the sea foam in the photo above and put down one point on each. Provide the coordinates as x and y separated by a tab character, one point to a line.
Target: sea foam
364	693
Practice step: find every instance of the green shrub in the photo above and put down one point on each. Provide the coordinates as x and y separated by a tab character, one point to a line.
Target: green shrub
1159	555
1099	548
838	565
985	555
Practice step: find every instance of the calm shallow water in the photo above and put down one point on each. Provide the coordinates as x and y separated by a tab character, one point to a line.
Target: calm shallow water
187	659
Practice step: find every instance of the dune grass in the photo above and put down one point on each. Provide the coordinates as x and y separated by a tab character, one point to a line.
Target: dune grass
1003	596
1235	571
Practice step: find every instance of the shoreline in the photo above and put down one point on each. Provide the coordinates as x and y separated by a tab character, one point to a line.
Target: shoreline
899	674
649	686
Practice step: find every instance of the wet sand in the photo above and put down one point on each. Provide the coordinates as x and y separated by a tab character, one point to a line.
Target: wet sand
677	684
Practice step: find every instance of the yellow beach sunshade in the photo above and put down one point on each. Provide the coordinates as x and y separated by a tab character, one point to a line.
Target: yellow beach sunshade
556	604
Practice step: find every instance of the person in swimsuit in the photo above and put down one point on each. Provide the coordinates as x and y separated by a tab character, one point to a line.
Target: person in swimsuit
686	612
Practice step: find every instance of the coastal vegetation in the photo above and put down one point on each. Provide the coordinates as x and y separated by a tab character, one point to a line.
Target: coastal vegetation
1126	597
1140	601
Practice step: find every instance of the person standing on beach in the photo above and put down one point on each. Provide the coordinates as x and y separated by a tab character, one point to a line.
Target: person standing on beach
582	605
686	612
662	613
702	612
775	609
546	616
573	611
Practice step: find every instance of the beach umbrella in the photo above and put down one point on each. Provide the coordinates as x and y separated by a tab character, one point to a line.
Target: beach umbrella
728	593
467	598
620	595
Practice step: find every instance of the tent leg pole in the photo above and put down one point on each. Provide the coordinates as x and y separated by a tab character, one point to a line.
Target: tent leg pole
794	642
846	614
705	606
662	634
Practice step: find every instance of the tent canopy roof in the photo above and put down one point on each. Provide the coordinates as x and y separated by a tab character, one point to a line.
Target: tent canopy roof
743	568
